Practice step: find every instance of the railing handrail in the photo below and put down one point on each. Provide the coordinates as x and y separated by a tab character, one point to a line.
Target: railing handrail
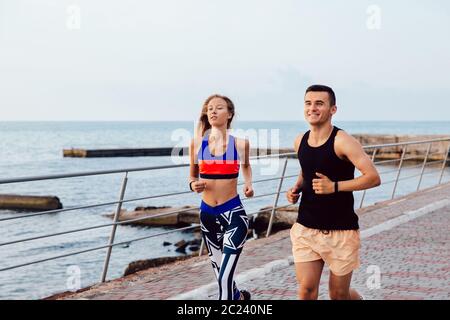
128	241
125	222
104	204
112	171
272	208
404	143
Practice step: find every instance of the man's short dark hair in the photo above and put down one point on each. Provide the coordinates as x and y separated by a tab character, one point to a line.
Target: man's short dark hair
322	88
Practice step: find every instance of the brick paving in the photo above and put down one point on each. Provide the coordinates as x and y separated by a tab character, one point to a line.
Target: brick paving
413	259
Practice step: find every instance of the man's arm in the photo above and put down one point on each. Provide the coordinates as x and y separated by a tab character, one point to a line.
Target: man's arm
299	183
293	193
348	147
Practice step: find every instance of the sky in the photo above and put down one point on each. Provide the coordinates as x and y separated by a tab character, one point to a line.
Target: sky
84	60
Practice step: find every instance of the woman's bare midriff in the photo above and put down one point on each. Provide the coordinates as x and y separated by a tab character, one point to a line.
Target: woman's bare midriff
219	191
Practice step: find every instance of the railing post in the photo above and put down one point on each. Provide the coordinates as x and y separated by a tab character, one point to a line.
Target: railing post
444	164
423	166
364	192
114	227
399	170
201	246
269	227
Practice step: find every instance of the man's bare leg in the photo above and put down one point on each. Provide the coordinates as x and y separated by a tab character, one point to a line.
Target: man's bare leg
308	277
339	288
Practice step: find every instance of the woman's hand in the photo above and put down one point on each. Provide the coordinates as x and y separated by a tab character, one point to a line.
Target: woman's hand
248	190
199	186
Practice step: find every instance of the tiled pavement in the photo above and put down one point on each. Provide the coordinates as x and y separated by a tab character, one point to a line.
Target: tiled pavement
413	260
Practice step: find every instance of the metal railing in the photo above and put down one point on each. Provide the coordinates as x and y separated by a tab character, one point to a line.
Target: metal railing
273	209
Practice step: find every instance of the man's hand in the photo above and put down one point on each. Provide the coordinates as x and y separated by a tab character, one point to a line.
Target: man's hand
199	186
292	196
323	185
248	190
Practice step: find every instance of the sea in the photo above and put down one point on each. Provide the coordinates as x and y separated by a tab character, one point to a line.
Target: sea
31	149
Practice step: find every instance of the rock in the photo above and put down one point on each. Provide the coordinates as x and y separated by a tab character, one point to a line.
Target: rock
189	217
29	203
149	208
195	242
151	263
181	249
198	234
195	250
181	219
283	219
181	246
180	243
192	245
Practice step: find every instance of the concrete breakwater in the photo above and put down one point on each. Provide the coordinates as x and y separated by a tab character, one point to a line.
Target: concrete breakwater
189	215
417	151
438	150
159	216
29	203
149	152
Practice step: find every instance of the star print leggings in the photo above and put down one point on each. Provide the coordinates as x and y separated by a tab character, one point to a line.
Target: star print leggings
224	230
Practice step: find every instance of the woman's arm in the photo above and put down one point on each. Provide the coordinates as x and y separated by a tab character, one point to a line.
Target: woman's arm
244	150
197	186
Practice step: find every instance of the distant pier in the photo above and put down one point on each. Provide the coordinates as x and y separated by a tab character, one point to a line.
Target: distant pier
418	152
127	152
150	152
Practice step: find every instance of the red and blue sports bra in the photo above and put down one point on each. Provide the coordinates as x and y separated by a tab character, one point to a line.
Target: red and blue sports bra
225	166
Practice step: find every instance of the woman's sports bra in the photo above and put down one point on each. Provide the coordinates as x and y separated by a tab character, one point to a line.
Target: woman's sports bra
225	166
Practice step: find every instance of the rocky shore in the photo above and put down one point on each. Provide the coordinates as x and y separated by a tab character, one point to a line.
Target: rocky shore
188	215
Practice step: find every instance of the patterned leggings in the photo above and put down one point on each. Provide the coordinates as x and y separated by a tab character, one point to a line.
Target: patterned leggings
224	229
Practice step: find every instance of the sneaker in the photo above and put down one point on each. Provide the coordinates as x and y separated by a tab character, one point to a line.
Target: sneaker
245	295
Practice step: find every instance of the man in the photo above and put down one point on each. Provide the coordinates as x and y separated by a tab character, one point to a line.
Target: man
327	229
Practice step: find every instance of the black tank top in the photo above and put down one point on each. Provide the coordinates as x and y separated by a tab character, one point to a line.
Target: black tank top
325	211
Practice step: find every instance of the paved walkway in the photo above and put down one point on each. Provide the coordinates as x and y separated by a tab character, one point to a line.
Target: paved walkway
405	254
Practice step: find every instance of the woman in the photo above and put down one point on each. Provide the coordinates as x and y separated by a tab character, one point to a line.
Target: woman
216	157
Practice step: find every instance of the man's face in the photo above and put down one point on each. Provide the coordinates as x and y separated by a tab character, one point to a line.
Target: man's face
317	108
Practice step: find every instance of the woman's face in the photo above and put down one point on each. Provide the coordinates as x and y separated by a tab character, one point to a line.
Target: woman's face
217	111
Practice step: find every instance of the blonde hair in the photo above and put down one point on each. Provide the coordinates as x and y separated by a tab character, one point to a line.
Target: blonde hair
203	123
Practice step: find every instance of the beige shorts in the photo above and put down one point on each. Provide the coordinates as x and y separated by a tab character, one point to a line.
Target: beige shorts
339	249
